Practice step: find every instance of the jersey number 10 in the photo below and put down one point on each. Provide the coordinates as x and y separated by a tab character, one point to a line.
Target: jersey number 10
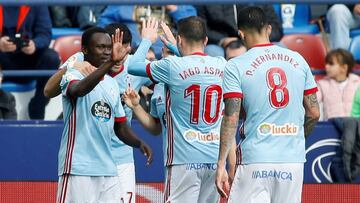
194	91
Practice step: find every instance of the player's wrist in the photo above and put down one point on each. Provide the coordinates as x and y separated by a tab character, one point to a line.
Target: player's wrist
221	163
136	106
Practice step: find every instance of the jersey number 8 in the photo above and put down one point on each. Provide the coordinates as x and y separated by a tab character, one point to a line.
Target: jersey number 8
276	81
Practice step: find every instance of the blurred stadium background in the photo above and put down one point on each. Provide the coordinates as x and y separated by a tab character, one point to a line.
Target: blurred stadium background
28	149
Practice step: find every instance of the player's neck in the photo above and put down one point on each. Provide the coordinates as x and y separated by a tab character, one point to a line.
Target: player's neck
190	50
257	41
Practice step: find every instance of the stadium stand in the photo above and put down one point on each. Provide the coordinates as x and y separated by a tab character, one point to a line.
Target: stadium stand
60	32
67	46
309	46
302	18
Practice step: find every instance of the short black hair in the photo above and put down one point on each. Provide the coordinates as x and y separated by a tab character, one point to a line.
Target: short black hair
235	44
192	29
127	37
252	18
87	35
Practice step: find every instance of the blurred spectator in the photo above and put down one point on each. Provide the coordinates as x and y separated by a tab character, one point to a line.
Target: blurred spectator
82	16
355	110
234	49
221	21
337	89
132	17
26	35
341	19
7	103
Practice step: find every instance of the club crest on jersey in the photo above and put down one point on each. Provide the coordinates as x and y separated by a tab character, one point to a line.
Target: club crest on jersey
101	111
194	135
273	129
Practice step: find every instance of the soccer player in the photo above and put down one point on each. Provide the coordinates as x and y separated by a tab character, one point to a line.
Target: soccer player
278	93
93	114
122	153
193	111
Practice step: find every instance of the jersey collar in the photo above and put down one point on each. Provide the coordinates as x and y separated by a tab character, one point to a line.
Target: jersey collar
199	53
113	74
263	45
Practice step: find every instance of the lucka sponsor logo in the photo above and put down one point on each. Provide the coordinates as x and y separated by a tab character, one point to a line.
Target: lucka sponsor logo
101	111
273	129
193	135
281	175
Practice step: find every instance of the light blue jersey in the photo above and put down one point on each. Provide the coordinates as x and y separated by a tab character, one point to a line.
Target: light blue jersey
157	110
85	147
122	152
193	106
272	82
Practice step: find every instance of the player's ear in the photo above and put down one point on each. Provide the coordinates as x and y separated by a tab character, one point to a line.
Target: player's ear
178	39
268	30
84	50
241	34
206	41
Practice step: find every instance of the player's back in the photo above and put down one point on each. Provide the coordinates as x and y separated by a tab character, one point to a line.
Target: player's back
194	95
273	81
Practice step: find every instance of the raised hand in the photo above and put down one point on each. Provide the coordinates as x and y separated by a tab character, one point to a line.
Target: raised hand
169	37
119	51
131	98
150	29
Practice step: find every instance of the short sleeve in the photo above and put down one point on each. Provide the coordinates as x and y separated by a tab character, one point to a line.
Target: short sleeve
232	81
69	63
310	84
70	76
159	71
153	109
120	115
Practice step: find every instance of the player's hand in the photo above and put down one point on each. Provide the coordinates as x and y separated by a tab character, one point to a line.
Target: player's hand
131	98
146	150
6	45
84	67
119	51
150	29
30	48
222	182
169	37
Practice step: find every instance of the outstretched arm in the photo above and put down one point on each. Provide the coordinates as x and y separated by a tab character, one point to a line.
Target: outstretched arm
125	134
83	87
52	87
312	113
137	64
132	100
